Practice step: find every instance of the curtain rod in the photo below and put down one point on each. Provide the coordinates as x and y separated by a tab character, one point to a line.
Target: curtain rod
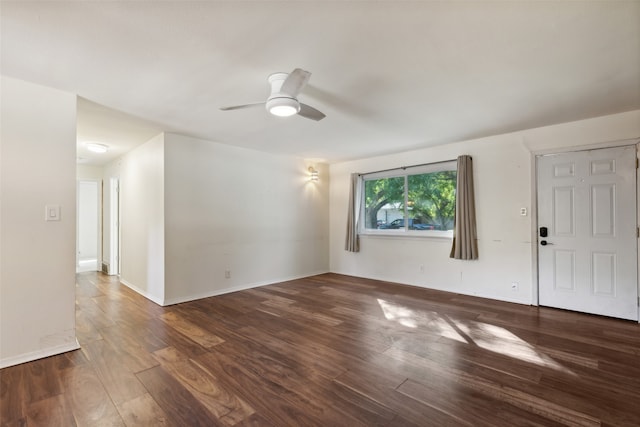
407	167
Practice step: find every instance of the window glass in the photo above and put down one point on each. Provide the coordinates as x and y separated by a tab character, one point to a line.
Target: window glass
384	202
431	201
416	200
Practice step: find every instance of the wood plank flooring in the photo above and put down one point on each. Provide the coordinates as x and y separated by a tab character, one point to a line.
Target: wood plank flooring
328	350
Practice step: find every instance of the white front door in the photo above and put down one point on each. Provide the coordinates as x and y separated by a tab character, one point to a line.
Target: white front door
588	260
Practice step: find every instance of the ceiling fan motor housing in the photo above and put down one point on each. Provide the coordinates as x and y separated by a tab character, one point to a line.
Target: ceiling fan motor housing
276	80
283	99
281	104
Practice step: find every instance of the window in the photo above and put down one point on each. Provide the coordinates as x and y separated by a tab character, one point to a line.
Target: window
417	200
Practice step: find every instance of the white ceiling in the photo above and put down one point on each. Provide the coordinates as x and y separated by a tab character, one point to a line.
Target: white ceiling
389	75
120	131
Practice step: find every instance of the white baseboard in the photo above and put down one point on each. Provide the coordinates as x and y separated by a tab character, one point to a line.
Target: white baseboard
516	300
215	292
141	292
236	288
39	354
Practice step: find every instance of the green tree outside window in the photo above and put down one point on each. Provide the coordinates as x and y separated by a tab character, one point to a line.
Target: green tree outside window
423	201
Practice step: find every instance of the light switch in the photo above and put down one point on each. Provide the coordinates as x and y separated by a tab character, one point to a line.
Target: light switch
52	213
523	211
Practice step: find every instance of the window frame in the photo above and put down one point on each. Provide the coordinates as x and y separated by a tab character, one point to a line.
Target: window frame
449	165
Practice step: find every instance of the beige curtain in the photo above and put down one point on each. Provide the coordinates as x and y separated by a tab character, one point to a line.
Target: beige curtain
352	242
465	244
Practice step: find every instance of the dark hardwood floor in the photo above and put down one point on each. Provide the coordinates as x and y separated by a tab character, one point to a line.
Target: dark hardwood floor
328	350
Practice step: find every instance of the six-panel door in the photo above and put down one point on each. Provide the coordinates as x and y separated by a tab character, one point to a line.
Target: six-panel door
588	261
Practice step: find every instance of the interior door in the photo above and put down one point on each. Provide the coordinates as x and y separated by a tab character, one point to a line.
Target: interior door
87	225
587	244
114	227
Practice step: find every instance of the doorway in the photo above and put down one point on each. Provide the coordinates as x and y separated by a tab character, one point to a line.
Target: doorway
88	226
587	219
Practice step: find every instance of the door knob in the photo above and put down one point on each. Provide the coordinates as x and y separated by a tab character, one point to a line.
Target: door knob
545	243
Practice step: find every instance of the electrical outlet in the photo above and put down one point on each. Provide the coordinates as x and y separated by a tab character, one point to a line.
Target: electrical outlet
514	286
227	274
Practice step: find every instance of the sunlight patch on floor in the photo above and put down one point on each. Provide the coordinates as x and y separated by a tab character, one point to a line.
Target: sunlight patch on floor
484	335
412	319
500	340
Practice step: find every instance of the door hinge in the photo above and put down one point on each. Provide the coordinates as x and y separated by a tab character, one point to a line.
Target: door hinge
637	231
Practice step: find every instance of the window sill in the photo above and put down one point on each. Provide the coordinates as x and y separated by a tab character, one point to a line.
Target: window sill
427	234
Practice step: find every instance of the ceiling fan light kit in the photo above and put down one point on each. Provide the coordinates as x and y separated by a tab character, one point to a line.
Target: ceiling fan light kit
283	106
283	99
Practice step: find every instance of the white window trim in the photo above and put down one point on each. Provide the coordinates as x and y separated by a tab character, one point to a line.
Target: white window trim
402	172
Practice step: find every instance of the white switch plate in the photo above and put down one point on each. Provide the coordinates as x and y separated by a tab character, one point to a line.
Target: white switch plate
523	211
52	213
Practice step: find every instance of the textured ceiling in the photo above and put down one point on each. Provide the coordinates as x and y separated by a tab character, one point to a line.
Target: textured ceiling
389	75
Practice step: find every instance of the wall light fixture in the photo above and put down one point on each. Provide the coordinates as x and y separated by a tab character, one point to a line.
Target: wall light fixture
313	174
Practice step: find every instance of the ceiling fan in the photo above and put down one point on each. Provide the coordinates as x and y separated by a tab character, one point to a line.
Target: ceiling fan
283	99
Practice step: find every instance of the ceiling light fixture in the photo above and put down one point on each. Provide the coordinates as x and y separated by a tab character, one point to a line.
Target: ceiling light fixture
96	147
283	106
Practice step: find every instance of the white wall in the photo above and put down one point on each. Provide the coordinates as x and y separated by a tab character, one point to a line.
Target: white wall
193	209
87	172
37	258
503	183
141	173
252	213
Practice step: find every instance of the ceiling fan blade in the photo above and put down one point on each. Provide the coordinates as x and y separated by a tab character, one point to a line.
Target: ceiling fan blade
310	112
294	82
240	107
